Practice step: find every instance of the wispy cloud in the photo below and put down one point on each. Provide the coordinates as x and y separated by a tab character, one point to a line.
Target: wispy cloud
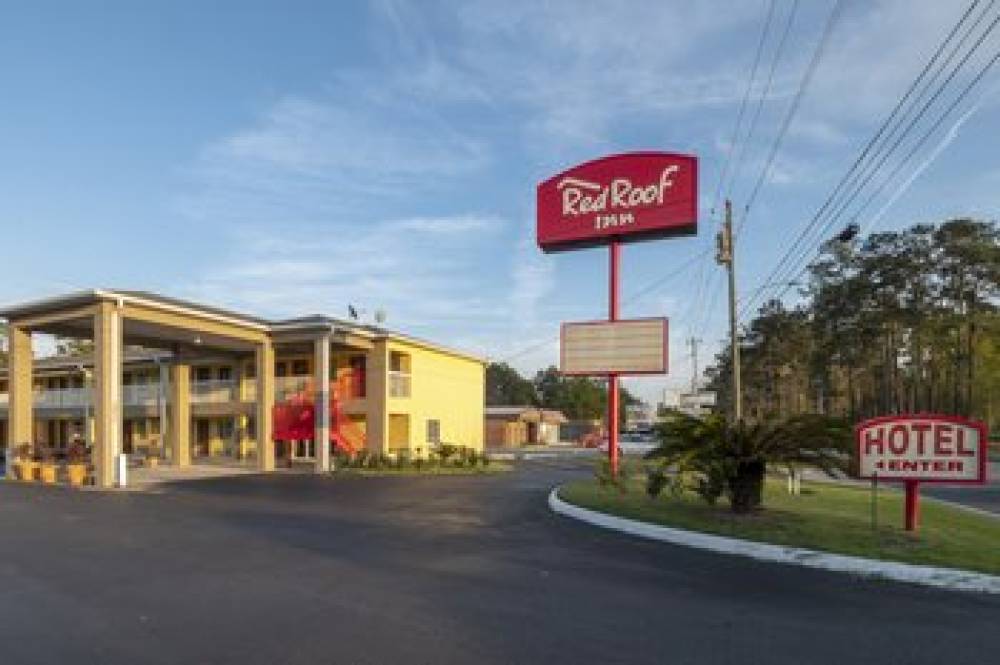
413	268
310	158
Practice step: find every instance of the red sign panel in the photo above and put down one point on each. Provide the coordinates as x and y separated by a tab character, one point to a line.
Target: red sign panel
632	196
924	447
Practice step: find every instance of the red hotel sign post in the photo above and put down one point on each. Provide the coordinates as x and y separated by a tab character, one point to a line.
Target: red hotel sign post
609	201
922	448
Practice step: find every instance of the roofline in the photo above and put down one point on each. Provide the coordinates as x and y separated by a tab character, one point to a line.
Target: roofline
233	319
432	346
97	295
317	322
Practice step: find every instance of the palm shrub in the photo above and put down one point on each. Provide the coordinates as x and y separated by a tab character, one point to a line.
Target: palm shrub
712	456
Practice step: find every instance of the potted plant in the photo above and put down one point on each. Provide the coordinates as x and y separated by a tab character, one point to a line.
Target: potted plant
76	467
47	466
24	463
153	456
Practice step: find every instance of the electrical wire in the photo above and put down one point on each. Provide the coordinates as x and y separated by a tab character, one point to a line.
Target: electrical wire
872	143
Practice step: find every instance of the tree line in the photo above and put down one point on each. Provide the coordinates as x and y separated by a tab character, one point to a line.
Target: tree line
895	322
579	398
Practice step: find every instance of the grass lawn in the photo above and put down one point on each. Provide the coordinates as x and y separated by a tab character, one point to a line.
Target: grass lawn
478	470
824	517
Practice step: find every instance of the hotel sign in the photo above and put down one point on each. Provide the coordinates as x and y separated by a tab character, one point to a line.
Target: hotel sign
925	448
631	196
634	346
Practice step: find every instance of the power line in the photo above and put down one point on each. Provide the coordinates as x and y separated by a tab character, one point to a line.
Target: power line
763	96
628	301
746	96
793	108
930	132
842	207
923	139
790	252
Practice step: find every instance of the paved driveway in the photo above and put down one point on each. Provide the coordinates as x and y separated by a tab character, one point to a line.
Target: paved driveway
301	569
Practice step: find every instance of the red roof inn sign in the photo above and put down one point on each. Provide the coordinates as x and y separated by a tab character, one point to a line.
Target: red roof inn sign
609	201
922	448
633	196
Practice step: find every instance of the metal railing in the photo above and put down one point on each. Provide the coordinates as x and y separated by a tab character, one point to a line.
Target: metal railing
62	398
141	394
218	391
399	384
286	386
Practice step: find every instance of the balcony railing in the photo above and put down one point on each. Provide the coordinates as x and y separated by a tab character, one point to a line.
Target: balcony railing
141	394
63	398
212	392
219	391
399	384
286	386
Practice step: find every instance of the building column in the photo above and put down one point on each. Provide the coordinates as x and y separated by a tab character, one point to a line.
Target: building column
236	398
162	398
179	429
20	415
264	357
321	403
377	398
107	393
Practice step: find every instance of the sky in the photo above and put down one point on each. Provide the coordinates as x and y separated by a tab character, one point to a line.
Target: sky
289	158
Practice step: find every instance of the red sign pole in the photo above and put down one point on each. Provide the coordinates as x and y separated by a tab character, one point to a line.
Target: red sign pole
614	256
912	504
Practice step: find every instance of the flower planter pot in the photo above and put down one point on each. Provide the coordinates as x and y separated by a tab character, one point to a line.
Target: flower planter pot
26	470
47	473
77	474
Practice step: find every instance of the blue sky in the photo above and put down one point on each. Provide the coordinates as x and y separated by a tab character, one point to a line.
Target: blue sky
294	157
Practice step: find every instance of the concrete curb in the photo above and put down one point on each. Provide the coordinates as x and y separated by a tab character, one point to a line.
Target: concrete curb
945	578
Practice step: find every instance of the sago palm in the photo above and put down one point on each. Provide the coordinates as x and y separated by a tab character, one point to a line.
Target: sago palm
719	457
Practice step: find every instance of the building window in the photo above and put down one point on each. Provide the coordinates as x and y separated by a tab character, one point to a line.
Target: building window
434	431
203	374
250	371
225	373
3	386
280	369
300	368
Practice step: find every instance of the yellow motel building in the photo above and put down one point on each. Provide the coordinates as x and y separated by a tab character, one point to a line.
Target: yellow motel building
182	381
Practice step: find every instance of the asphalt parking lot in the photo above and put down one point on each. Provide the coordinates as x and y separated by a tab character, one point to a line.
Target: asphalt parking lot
303	569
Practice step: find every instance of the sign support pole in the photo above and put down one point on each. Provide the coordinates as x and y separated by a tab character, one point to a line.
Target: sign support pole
912	505
614	257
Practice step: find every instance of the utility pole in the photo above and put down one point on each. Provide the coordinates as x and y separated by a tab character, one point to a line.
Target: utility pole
693	343
725	255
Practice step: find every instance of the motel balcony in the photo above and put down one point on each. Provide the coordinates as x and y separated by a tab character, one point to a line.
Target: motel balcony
218	391
215	392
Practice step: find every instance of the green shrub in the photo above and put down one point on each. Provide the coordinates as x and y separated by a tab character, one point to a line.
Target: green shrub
712	457
445	451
